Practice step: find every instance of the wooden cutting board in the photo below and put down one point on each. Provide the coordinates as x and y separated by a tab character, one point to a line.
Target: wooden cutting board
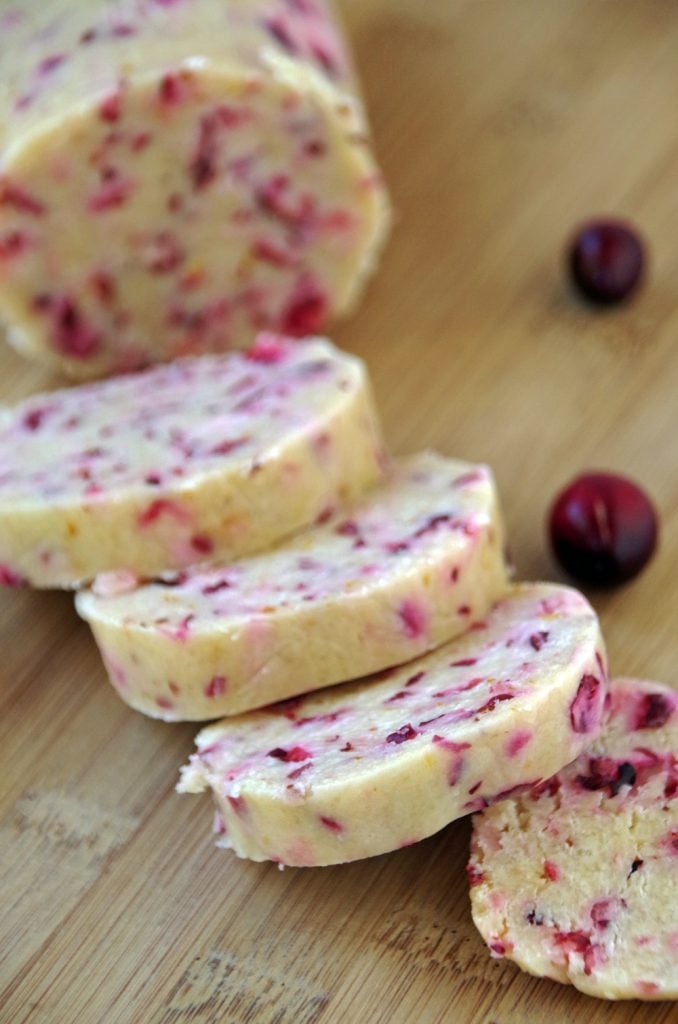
500	125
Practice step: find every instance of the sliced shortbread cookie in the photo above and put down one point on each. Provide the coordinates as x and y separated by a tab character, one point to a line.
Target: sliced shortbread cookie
404	570
207	458
577	878
369	767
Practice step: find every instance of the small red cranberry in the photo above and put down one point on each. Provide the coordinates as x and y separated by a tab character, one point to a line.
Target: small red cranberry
607	260
603	529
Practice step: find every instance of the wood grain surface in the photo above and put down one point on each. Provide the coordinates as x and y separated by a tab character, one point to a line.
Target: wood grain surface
500	125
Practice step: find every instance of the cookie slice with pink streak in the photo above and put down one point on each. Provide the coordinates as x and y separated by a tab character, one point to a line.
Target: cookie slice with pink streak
576	879
404	569
203	459
361	769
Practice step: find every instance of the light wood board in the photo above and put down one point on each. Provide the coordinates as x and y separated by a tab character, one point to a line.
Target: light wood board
500	125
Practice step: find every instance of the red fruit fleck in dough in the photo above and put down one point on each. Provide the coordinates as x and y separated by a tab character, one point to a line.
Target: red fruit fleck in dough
653	710
307	312
10	578
586	709
71	333
216	687
413	617
292	754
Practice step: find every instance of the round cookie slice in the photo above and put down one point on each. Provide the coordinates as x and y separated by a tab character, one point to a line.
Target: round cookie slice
576	879
204	459
364	768
402	571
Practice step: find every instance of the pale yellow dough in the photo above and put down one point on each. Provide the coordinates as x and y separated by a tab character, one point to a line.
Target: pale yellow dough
177	175
405	569
360	769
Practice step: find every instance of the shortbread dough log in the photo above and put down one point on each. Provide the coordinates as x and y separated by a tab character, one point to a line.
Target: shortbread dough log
365	768
577	879
404	570
176	175
206	458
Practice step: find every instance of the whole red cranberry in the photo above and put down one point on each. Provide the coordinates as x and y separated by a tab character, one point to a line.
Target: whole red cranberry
603	528
607	260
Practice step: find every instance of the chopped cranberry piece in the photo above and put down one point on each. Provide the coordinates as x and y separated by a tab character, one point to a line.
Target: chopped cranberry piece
306	313
51	63
653	711
113	193
12	244
268	348
413	680
71	334
216	687
413	618
475	876
279	31
238	804
203	169
268	251
158	508
603	529
551	871
33	419
538	640
585	711
16	197
493	701
294	754
103	287
110	107
573	942
607	260
330	824
10	578
202	544
173	87
431	525
603	912
315	148
405	732
325	60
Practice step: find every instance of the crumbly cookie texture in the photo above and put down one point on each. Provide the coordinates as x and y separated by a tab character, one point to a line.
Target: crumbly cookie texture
176	175
361	769
207	458
576	879
402	571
